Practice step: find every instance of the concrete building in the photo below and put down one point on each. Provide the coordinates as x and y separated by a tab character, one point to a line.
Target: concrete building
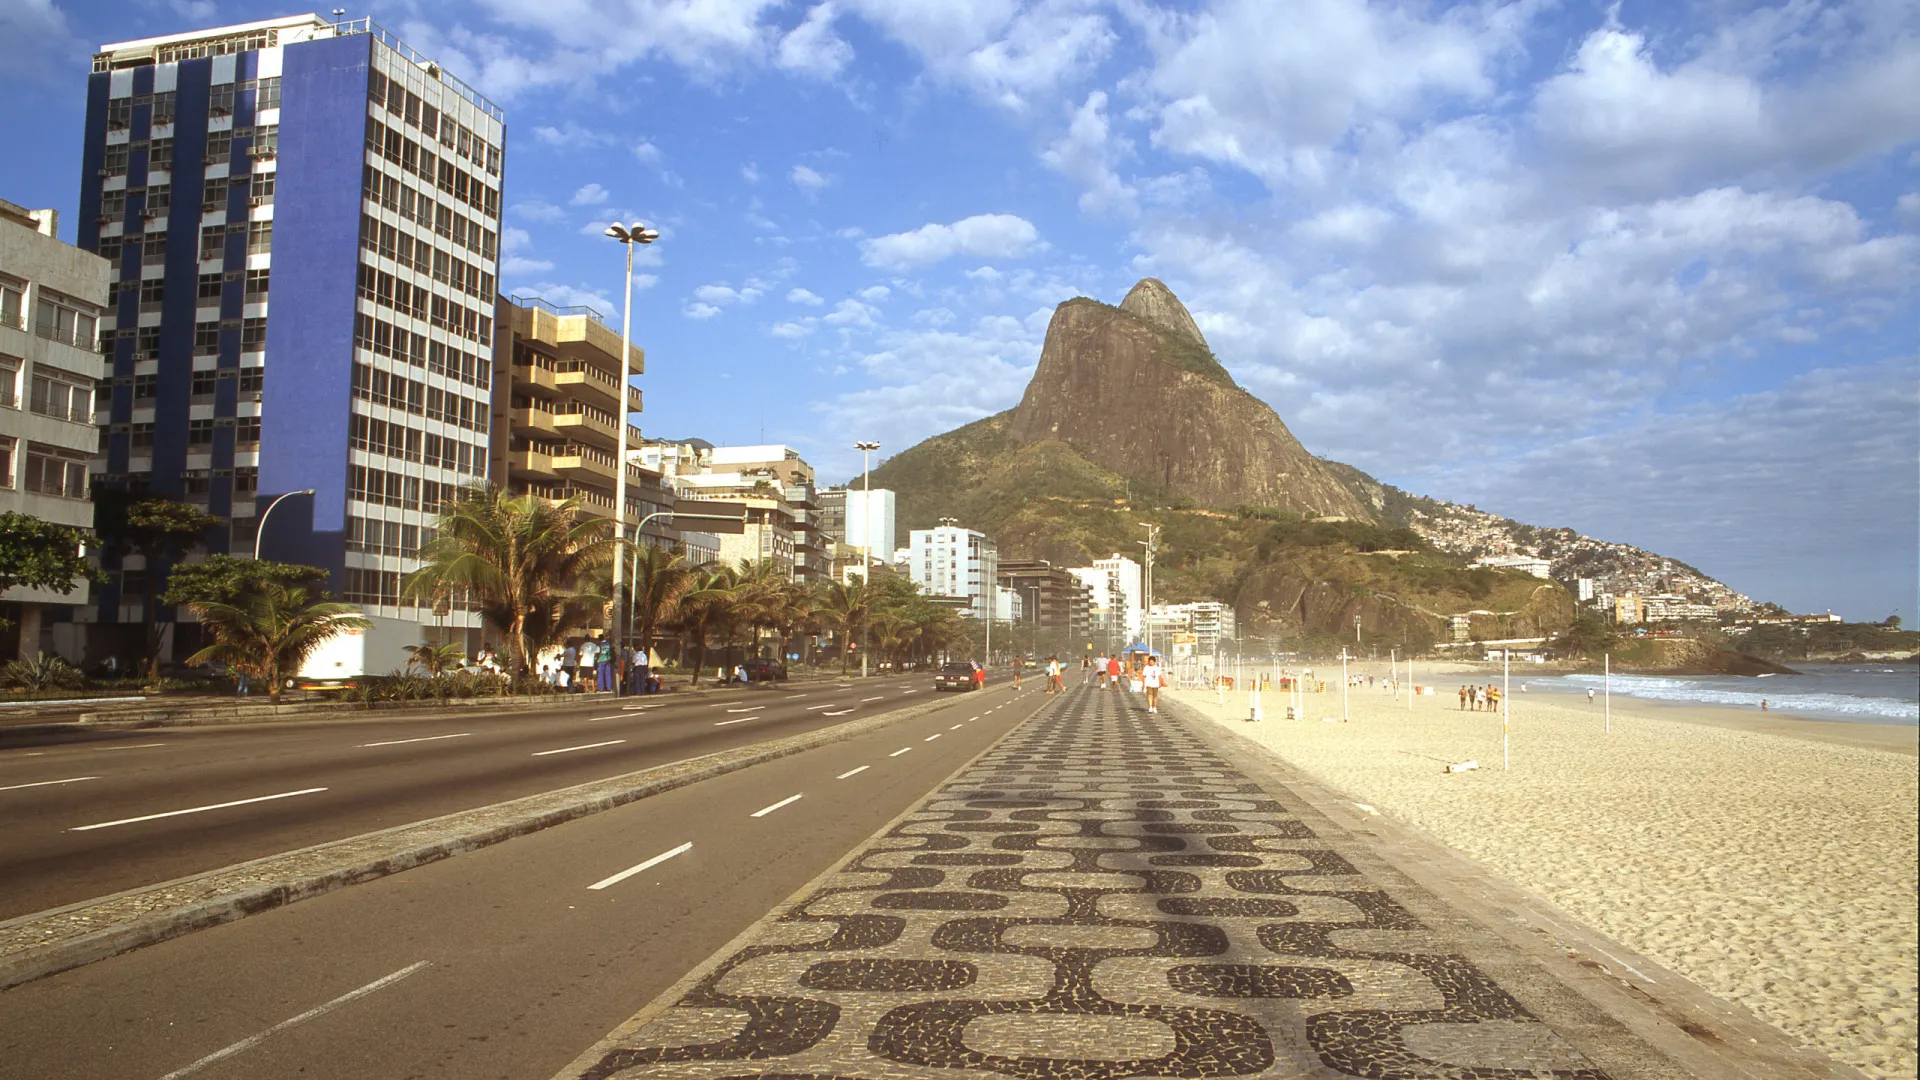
1115	584
951	561
556	406
371	385
1629	609
860	521
773	482
1210	622
1054	599
52	297
1530	564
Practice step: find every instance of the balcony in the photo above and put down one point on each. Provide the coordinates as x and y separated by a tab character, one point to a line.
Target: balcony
532	422
530	463
575	420
584	462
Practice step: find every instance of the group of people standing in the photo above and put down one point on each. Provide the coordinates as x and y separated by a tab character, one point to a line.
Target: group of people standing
593	666
1479	698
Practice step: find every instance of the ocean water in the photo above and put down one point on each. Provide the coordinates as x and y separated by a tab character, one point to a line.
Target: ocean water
1864	693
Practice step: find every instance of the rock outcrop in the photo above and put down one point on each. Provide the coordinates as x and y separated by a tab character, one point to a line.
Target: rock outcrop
1136	390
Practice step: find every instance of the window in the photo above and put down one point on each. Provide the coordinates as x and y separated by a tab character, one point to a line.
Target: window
119	114
269	95
145	387
113	204
154	251
159	199
10	381
160	154
62	399
163	108
429	120
116	162
153	293
246	433
6	462
252	380
256	285
219	147
140	437
259	237
220	100
199	434
210	286
13	297
213	197
109	249
266	142
60	320
246	481
206	339
54	470
146	343
253	335
261	192
213	242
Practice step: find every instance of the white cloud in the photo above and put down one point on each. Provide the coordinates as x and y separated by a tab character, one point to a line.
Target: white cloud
873	294
792	331
700	311
32	33
591	38
802	296
812	48
1005	51
572	296
517	265
807	179
572	134
721	294
647	152
998	236
851	313
750	173
1086	153
589	195
194	10
1908	206
539	210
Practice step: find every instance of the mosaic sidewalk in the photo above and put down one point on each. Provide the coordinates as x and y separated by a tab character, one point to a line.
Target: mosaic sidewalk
1100	896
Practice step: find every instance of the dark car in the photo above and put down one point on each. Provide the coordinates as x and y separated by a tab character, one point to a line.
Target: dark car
766	669
954	677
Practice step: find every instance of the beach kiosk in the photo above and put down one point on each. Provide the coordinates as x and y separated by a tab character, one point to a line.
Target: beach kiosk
1134	658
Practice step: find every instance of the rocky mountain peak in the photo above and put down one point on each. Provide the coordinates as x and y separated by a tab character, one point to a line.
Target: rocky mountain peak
1152	300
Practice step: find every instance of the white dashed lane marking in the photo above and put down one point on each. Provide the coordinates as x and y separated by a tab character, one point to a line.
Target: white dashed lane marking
648	865
765	810
853	772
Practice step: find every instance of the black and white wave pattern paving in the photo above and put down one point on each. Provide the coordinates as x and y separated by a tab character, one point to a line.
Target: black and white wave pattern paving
1100	897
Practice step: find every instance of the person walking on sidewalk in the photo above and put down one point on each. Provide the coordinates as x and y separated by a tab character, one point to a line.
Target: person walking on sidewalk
1018	663
1113	673
1150	679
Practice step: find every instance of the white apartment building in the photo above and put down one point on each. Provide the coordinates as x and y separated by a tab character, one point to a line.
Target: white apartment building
1115	583
955	562
1209	621
870	521
1530	564
52	296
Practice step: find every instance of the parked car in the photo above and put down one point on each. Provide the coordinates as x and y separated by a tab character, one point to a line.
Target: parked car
766	669
954	677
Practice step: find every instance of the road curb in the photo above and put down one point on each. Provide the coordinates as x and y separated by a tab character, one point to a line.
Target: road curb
61	939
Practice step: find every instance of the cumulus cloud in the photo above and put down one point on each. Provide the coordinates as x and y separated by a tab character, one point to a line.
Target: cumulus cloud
1007	52
517	265
572	134
807	179
812	48
1001	236
721	294
802	296
873	294
750	173
1086	153
589	195
699	310
538	210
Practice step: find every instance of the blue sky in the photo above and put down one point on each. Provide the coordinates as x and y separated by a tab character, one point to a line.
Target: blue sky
1647	270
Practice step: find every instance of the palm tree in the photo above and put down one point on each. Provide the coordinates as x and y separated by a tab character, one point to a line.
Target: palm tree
435	659
848	605
706	608
660	579
528	564
270	630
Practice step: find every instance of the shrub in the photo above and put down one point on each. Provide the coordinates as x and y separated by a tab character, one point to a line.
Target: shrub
42	673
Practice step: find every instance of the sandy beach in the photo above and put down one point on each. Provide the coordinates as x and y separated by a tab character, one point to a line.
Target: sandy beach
1773	863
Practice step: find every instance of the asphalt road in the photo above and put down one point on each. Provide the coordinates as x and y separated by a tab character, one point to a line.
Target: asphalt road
504	962
83	820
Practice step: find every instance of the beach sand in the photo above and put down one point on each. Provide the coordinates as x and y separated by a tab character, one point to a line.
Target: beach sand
1776	870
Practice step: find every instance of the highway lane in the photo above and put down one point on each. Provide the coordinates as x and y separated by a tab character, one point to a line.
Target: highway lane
506	961
83	820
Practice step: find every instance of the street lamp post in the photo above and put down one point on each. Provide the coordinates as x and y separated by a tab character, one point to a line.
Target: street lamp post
621	664
260	527
629	236
866	449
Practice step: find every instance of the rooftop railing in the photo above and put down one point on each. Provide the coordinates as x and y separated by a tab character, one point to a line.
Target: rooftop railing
554	309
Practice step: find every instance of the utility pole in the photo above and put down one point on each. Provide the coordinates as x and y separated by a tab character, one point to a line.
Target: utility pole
1344	716
1152	544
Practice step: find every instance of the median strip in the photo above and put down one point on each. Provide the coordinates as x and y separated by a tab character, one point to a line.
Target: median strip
60	939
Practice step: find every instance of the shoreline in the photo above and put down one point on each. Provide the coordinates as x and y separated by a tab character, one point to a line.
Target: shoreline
1772	861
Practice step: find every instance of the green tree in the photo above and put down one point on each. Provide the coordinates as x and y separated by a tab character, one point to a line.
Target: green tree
39	554
270	630
435	659
159	530
705	609
660	579
224	578
527	563
849	603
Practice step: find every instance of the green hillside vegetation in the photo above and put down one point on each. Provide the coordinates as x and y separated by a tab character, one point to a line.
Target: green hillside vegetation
1296	579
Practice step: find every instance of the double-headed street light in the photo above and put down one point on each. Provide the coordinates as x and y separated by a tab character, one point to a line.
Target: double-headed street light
629	236
866	449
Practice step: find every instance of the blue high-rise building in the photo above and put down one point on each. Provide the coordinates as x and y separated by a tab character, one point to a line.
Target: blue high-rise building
303	218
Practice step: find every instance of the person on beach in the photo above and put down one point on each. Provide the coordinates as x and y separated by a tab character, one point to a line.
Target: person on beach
1150	681
1589	695
1113	673
1463	697
1056	681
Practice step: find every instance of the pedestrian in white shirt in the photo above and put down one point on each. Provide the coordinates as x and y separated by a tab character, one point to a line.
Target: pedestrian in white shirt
1150	679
